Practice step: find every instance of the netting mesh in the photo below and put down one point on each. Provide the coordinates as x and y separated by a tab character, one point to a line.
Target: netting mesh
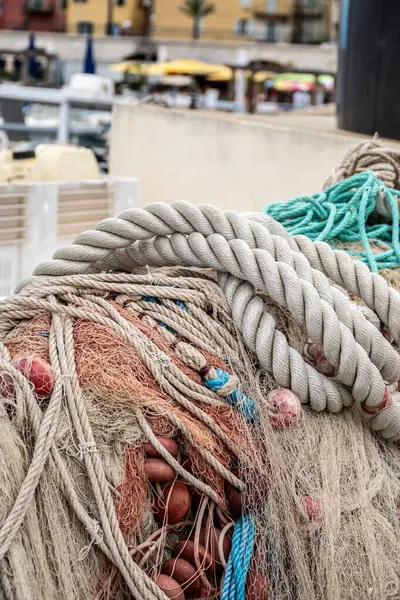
323	494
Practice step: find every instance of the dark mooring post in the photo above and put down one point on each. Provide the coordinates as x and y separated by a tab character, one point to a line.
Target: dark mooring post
368	83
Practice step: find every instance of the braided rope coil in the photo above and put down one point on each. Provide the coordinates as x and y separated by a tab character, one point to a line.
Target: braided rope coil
368	156
256	253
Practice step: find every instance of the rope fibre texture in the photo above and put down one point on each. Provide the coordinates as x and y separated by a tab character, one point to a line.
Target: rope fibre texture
106	531
341	213
257	252
369	156
234	585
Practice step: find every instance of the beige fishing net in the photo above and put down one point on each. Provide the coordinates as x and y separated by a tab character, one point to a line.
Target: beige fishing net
323	493
224	433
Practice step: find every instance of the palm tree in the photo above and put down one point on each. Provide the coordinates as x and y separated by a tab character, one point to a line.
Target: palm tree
197	10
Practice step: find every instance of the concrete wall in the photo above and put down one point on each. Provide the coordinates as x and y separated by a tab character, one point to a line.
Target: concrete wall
234	162
108	50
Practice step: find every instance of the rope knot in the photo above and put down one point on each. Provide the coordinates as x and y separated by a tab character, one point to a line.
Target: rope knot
226	385
82	449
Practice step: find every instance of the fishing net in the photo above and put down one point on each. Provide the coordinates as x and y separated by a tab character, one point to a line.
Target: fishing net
227	432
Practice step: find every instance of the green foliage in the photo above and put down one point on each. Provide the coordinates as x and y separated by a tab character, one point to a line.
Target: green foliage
197	10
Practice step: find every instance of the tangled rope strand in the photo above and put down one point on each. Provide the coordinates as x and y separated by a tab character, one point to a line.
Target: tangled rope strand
234	250
368	156
286	365
139	583
341	214
44	440
281	282
98	249
235	576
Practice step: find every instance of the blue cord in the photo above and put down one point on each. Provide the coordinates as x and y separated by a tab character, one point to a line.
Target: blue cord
235	576
245	404
234	585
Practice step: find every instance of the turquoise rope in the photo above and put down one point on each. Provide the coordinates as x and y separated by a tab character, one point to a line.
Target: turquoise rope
245	404
155	300
234	585
343	213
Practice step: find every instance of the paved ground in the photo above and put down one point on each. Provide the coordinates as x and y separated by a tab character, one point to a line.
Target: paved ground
316	118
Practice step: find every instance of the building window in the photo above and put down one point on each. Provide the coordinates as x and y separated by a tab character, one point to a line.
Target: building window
243	27
271	6
84	27
120	2
64	4
245	3
271	31
80	1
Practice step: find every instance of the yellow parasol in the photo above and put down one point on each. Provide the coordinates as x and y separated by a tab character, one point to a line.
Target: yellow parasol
134	68
223	74
262	76
226	74
127	66
188	67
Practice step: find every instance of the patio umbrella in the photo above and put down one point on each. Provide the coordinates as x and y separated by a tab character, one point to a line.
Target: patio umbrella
328	81
126	67
89	64
135	68
189	67
262	76
223	74
226	74
33	66
292	82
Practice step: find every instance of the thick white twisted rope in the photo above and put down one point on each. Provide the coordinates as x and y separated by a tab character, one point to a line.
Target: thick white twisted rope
260	252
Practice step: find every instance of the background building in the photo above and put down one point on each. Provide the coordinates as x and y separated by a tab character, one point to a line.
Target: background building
299	21
37	15
102	17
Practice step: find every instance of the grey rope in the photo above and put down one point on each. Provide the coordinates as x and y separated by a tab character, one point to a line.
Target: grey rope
256	251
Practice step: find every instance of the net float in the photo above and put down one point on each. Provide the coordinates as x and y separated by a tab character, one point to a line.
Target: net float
315	354
234	497
184	573
170	587
175	505
38	372
158	470
212	543
186	549
286	406
170	445
203	593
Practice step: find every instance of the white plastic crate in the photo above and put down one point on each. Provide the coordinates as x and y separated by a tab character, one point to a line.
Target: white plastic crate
38	218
